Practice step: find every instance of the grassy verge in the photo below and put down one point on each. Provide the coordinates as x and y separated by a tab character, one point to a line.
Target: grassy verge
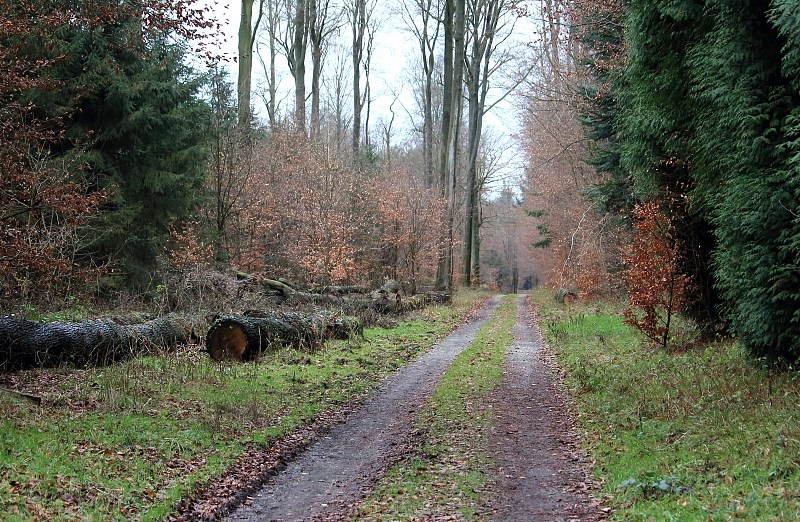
445	476
703	435
128	441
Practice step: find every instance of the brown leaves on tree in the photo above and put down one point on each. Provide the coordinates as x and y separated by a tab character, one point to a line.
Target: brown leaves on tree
656	287
301	214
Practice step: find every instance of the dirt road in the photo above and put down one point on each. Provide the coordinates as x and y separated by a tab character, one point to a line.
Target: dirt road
538	474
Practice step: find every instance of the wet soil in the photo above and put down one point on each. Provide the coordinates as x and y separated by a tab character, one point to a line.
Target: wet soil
323	472
540	472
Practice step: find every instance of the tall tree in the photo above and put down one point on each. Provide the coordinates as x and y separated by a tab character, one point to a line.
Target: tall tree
298	60
422	18
294	46
336	106
486	32
323	23
247	34
272	28
360	13
453	78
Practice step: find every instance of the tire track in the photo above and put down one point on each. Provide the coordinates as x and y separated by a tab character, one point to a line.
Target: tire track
328	480
539	473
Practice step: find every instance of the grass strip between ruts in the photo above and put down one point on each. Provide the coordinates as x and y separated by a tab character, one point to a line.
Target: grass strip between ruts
445	475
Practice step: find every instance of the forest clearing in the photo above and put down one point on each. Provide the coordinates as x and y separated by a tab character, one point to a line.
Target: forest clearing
548	249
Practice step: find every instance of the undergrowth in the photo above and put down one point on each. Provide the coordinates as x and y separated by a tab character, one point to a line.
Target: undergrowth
129	441
445	474
704	434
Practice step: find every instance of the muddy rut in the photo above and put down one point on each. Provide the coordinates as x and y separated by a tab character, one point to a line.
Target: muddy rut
538	475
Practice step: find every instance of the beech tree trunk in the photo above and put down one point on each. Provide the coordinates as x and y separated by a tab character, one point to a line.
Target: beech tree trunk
299	49
28	344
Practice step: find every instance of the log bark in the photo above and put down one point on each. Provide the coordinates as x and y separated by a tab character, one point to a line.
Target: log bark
340	290
243	338
564	295
28	344
385	302
438	297
278	286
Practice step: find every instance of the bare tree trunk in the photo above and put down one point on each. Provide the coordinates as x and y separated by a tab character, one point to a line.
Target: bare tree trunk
459	51
423	22
245	61
387	134
358	24
451	86
272	82
366	99
476	242
337	106
299	57
474	121
322	24
484	23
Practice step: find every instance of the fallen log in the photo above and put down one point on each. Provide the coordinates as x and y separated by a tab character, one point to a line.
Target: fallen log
278	286
438	297
565	296
28	344
35	399
243	338
340	290
385	302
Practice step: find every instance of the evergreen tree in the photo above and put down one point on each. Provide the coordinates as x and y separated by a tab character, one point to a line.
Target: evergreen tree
600	31
745	81
656	129
710	109
135	113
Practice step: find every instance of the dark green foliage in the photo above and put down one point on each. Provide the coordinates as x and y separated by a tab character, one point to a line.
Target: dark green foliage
599	118
746	164
602	33
640	119
135	117
709	109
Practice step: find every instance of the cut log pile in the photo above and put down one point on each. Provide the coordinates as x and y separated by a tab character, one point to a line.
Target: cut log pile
26	344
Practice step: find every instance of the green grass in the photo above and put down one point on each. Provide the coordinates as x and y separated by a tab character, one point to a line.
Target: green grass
704	434
445	474
129	441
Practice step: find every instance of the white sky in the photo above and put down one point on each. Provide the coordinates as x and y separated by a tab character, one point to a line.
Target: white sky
395	52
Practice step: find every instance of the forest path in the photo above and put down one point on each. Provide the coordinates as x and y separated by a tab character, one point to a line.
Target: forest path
334	473
538	475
